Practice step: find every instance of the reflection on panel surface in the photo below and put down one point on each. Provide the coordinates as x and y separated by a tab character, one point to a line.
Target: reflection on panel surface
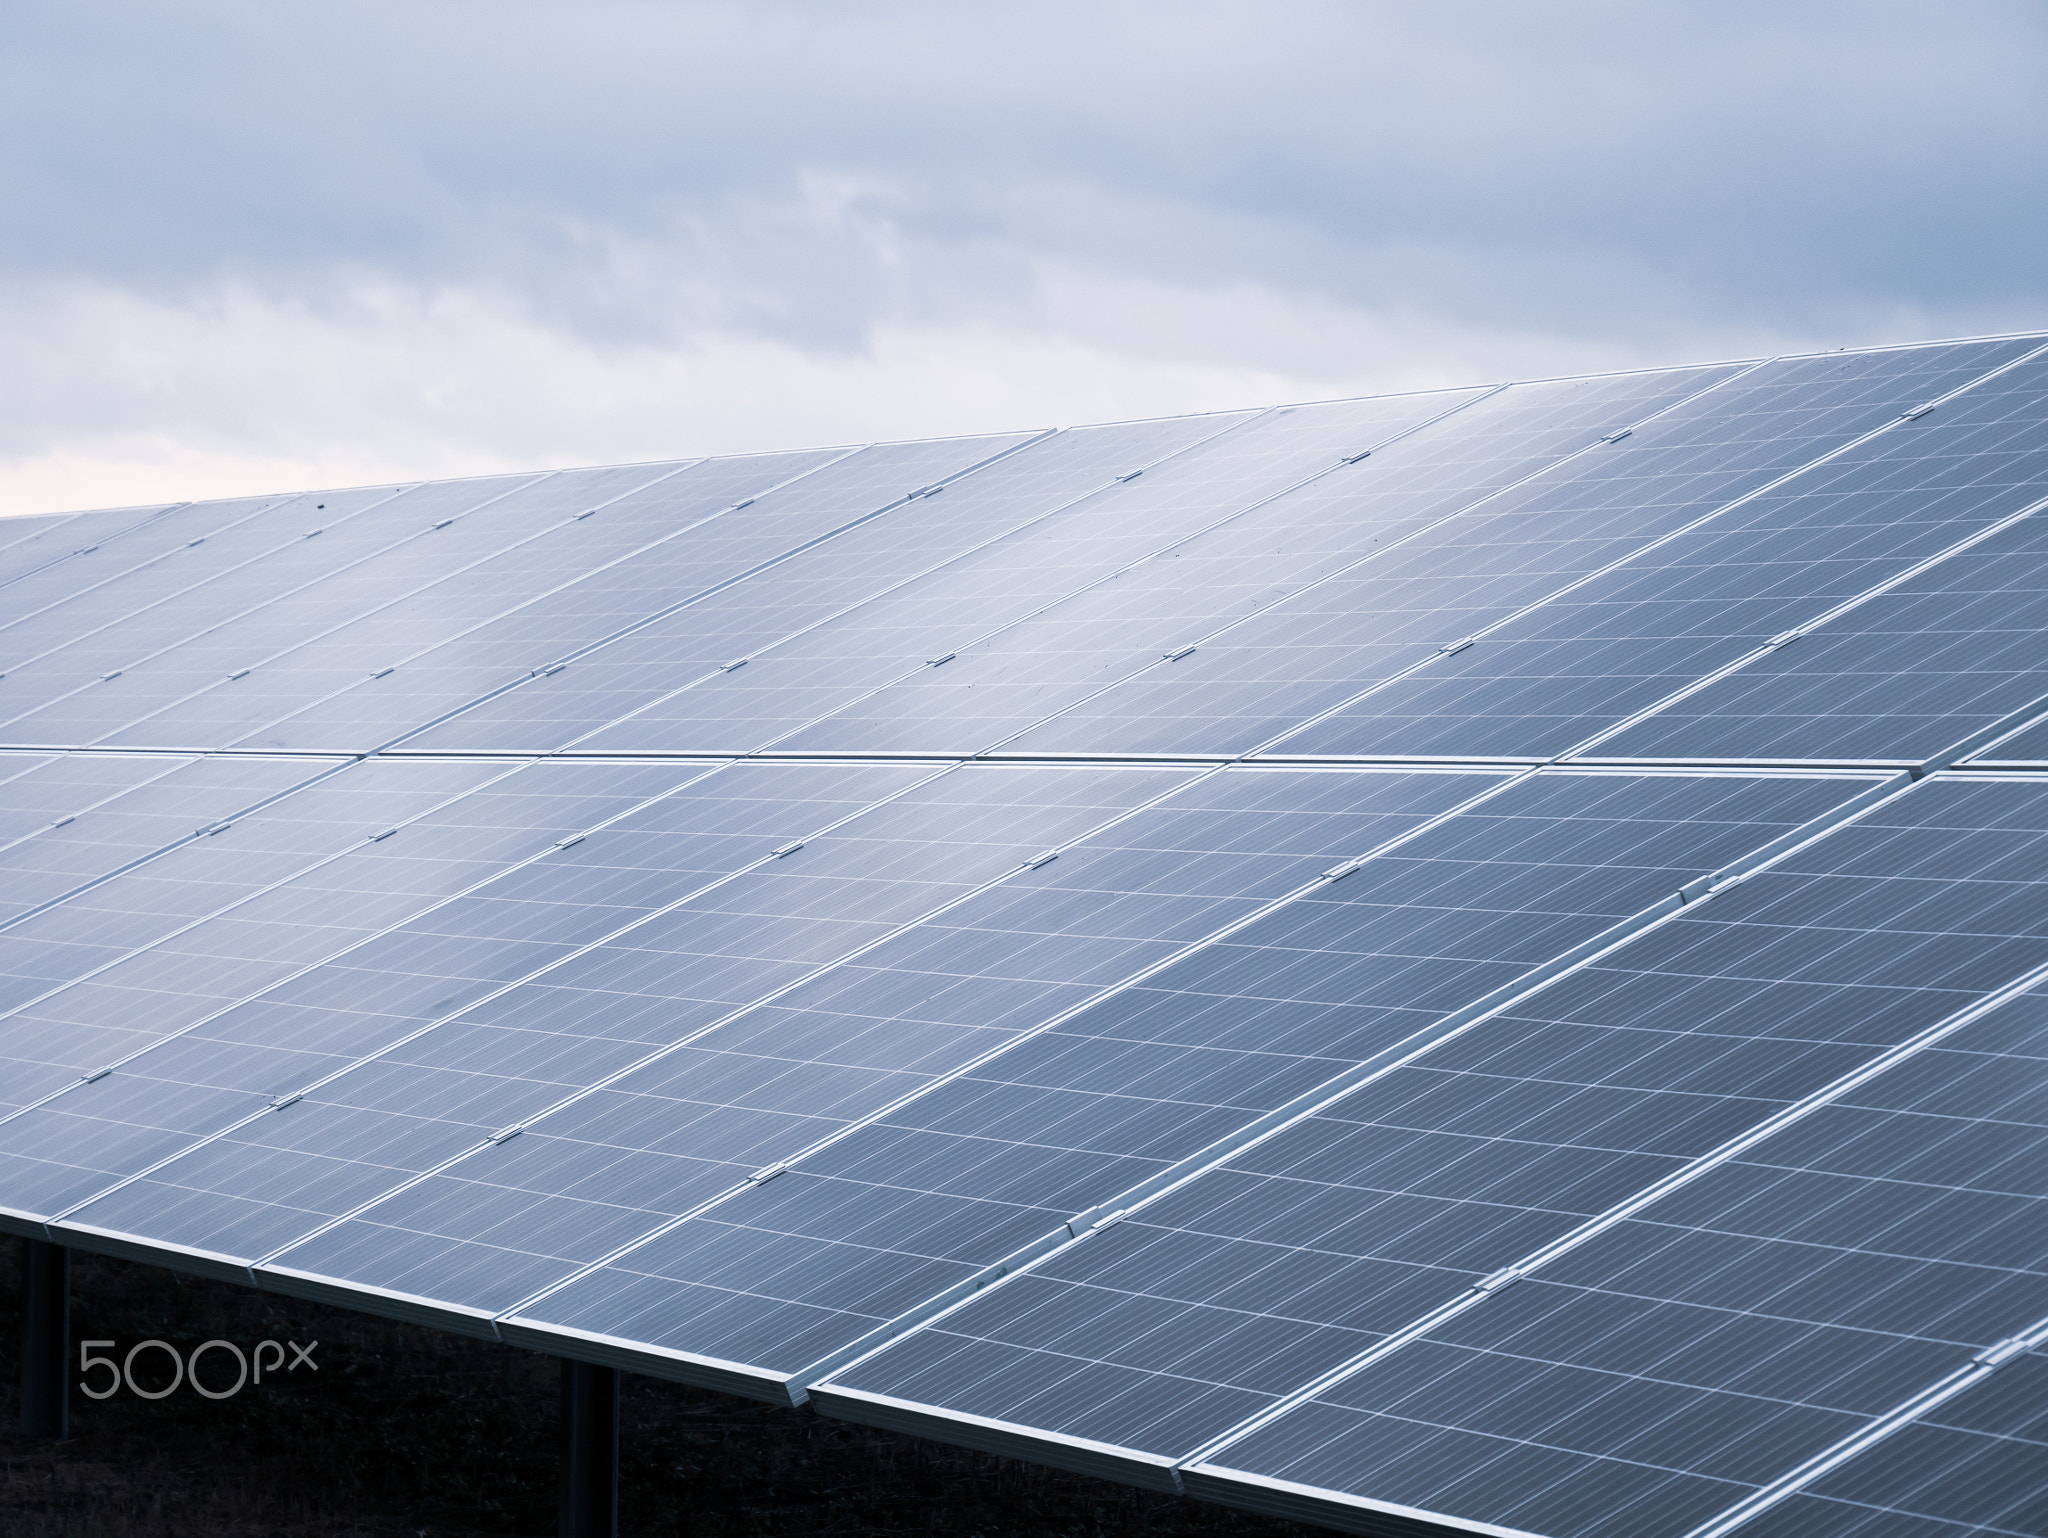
1370	960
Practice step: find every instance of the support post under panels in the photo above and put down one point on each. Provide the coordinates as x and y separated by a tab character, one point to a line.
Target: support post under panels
590	1451
46	1343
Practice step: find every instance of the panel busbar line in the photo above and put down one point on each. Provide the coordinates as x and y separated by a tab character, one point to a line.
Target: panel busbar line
1003	503
1165	612
1156	614
1258	684
31	630
199	916
1155	1335
46	541
81	818
952	1179
1754	1317
1918	673
130	545
643	837
1562	671
787	688
553	628
1969	1466
1469	1185
486	549
155	633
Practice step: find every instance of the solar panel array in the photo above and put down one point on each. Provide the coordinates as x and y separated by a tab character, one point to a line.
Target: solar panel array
1466	961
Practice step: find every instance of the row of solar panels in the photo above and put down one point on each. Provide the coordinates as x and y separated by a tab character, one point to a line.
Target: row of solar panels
1541	1147
578	1049
1495	579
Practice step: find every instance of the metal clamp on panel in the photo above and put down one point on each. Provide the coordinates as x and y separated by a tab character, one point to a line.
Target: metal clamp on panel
1452	648
1916	412
2003	1351
1041	859
761	1177
284	1100
1617	435
786	849
1339	872
1185	651
570	843
932	662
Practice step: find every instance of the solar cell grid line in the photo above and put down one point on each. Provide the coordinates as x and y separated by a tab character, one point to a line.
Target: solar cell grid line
1031	685
806	678
137	549
1562	672
73	534
177	582
288	1046
558	626
117	631
531	1319
724	632
194	798
1168	1329
1726	1332
62	967
1311	653
1922	674
30	543
223	633
482	1237
545	531
1967	1462
155	1092
38	804
1817	426
1586	751
30	629
922	1195
2025	747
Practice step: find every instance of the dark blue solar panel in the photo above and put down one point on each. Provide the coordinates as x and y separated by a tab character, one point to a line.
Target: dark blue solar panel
985	1161
715	916
1553	678
1008	504
848	659
1202	1309
1970	1466
454	666
1285	665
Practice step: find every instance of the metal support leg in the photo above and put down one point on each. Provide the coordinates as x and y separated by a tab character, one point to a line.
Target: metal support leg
46	1343
590	1451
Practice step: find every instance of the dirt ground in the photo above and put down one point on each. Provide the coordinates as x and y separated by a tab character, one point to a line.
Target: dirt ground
412	1433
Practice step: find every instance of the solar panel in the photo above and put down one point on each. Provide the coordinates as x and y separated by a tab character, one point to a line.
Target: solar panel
979	523
1371	961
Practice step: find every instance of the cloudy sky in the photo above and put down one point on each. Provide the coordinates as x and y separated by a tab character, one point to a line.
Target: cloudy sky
252	246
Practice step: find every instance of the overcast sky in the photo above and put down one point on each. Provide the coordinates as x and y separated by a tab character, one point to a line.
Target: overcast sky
271	245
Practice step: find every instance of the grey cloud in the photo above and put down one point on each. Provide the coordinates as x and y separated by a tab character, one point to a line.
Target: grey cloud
807	170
